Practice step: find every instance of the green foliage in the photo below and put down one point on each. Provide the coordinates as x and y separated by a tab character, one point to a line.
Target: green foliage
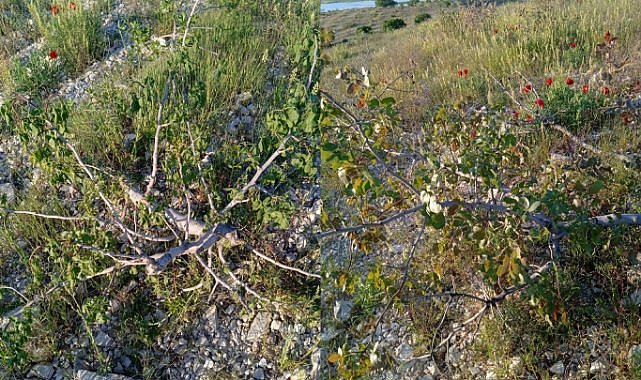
365	29
38	75
13	340
422	17
327	36
393	24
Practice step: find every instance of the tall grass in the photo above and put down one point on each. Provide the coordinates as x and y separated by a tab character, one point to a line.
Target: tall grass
520	41
72	30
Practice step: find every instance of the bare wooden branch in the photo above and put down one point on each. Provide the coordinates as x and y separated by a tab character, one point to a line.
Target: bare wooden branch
159	125
280	265
160	261
45	216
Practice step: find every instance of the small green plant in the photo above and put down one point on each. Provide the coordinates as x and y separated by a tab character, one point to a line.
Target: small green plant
364	29
393	24
42	71
422	18
635	364
327	36
385	3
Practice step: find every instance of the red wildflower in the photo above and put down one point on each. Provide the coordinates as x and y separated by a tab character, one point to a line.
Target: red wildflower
459	73
515	114
527	88
72	6
548	81
53	54
54	9
605	91
529	117
585	89
569	81
465	72
572	44
539	102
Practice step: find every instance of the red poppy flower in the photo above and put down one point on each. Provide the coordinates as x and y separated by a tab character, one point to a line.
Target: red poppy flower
548	81
465	72
53	54
539	102
572	44
459	73
527	88
569	81
529	117
54	9
72	6
605	91
515	114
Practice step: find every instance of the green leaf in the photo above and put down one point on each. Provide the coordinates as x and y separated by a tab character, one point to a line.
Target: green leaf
596	187
437	220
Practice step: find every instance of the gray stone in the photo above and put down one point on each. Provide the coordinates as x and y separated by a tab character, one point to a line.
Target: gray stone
597	367
8	192
103	340
259	326
245	98
259	374
404	352
558	368
342	309
634	298
42	371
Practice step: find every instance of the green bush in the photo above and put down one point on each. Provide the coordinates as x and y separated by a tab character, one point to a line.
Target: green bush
40	73
365	29
422	17
385	3
393	24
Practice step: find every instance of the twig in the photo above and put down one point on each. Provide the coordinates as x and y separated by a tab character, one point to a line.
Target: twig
357	125
280	265
231	274
15	291
378	223
589	147
191	14
45	216
310	78
238	197
159	125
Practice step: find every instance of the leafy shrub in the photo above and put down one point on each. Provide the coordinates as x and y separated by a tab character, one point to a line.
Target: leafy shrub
422	17
40	73
393	24
385	3
365	29
327	36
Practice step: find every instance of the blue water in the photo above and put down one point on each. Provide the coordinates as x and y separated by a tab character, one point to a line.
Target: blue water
351	5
